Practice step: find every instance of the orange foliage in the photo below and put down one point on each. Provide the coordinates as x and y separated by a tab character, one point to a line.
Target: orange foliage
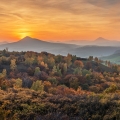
79	63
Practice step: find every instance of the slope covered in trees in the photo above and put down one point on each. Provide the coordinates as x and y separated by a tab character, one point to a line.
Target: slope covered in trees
44	86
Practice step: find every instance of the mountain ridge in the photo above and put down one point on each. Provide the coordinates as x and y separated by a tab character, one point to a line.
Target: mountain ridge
100	41
32	44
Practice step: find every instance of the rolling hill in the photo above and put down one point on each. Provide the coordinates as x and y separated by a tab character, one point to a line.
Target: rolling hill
98	51
4	42
98	42
114	58
32	44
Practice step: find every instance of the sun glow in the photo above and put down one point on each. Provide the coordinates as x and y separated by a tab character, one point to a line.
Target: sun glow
50	20
21	33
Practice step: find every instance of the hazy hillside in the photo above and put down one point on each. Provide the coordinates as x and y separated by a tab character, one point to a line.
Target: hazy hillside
114	58
118	51
4	42
103	42
99	42
94	51
32	44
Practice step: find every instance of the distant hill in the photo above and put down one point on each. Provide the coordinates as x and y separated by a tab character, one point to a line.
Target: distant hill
118	51
114	58
4	42
99	42
103	42
98	51
32	44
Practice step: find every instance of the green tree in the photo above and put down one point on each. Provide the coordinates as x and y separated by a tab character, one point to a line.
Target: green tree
56	70
65	68
51	62
58	58
38	86
29	61
79	65
96	60
52	80
74	82
68	60
111	89
77	71
18	83
37	71
59	70
74	58
90	58
106	62
86	72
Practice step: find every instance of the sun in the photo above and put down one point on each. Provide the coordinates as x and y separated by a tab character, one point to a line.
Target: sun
23	32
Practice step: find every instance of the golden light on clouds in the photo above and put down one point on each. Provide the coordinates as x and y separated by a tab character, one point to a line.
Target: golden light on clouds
59	20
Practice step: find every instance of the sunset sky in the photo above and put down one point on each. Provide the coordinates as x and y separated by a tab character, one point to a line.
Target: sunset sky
59	20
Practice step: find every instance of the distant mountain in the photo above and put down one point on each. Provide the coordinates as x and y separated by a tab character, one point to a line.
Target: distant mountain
118	51
98	51
99	42
103	42
32	44
4	42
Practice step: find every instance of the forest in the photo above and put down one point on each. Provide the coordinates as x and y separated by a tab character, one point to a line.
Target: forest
44	86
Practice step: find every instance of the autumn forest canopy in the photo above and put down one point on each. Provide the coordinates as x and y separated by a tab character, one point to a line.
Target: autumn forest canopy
47	86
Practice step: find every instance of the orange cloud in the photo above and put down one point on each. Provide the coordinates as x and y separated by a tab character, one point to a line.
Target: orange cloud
59	20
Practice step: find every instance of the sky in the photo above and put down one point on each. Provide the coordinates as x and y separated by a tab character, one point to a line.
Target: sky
59	20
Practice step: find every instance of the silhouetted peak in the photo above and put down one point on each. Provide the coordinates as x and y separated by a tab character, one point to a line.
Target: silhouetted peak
100	38
30	40
27	37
